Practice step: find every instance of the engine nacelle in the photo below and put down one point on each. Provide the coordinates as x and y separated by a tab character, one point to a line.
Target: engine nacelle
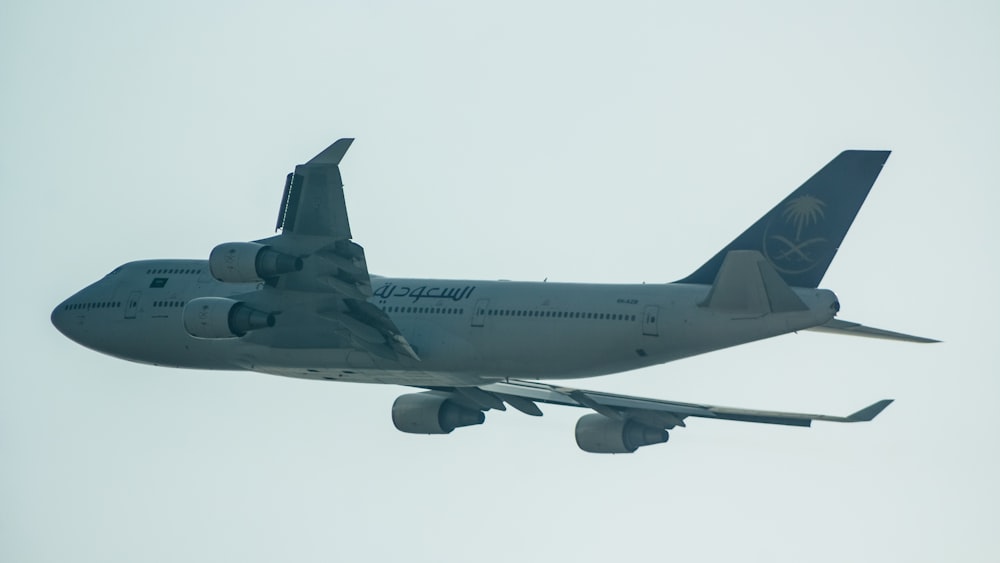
432	413
246	262
220	317
596	433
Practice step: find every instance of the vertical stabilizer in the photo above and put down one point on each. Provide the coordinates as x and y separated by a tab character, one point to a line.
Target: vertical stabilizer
801	235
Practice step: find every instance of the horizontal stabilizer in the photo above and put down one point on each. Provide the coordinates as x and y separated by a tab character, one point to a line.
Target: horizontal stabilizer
837	326
748	284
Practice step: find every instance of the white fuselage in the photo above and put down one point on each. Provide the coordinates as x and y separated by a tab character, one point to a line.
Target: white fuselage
465	332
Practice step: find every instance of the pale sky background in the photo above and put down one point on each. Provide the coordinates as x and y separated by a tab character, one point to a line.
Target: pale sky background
518	140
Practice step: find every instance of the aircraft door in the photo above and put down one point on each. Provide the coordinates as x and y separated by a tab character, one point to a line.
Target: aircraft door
132	305
479	313
650	326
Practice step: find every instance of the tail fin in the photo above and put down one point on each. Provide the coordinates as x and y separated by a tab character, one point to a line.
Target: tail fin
800	236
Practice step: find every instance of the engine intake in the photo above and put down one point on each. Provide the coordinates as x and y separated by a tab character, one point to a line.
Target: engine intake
596	433
432	413
245	262
221	317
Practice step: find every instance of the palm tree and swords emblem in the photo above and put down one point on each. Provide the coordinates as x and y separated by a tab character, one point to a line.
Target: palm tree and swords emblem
787	249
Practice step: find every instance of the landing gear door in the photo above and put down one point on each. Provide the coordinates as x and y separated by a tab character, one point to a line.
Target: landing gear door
650	323
479	313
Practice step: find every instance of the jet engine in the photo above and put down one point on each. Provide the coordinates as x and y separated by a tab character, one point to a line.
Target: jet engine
596	433
432	413
220	317
246	262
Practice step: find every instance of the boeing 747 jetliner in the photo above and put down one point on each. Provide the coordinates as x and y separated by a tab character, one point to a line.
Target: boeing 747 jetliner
303	304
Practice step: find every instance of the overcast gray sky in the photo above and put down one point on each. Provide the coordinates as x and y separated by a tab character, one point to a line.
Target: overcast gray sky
519	140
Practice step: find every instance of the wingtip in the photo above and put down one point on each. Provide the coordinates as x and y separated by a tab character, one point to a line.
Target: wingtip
334	153
871	411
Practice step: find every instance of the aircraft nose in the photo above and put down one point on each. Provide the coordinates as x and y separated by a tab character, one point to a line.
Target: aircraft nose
60	318
79	316
69	317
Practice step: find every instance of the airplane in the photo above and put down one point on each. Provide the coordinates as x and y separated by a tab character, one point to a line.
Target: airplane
302	304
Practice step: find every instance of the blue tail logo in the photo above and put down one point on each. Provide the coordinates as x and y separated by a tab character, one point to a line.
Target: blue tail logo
793	245
801	235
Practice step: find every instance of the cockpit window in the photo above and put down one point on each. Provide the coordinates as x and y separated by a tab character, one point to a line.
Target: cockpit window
114	272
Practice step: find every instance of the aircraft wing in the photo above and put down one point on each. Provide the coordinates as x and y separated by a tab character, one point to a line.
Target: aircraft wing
656	413
313	202
332	280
